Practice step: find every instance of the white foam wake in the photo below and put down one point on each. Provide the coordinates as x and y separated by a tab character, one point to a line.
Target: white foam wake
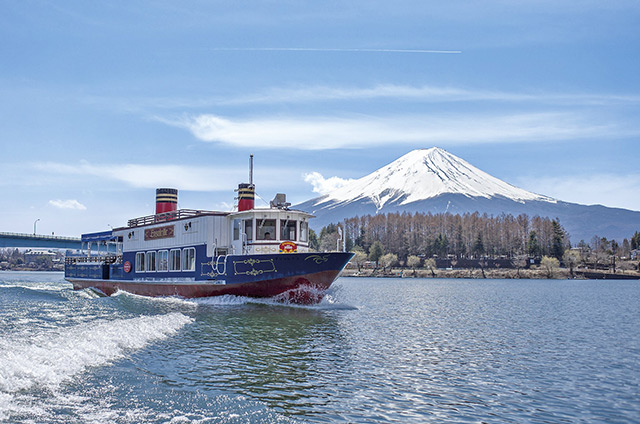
47	360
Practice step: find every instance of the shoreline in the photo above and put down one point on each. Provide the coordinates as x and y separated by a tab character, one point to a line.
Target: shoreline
495	274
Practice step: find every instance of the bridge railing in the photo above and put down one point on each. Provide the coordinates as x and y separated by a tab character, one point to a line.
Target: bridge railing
39	236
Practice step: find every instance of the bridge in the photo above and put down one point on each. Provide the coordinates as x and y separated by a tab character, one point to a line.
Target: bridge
39	241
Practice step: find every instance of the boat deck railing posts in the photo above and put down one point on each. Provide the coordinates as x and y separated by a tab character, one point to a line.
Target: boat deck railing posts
165	216
104	259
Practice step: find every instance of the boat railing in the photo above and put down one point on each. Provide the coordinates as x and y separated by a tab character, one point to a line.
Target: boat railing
166	216
102	259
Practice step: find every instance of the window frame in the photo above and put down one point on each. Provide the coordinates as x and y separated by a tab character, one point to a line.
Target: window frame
304	234
140	260
186	258
285	224
172	261
165	262
150	261
260	230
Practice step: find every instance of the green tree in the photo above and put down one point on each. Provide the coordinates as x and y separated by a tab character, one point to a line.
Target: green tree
430	264
359	257
557	240
571	258
533	248
313	240
550	264
413	262
388	260
376	251
635	241
478	246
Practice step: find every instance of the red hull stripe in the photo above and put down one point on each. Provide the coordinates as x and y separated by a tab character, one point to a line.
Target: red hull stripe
266	288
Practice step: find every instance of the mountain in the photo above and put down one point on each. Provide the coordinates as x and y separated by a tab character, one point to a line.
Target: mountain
433	180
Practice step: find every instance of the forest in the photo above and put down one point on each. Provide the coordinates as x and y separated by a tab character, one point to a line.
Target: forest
471	235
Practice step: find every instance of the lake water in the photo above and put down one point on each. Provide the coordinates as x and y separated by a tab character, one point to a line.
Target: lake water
375	350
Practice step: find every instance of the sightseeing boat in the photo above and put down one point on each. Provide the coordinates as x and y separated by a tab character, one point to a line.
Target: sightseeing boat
254	252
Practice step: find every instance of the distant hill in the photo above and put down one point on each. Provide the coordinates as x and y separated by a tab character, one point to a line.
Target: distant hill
433	180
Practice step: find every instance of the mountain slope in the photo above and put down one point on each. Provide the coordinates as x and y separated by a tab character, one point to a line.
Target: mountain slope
433	180
423	174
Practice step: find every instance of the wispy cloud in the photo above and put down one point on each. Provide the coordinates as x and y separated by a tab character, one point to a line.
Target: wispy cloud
68	204
183	177
312	94
371	131
423	93
324	185
604	189
152	176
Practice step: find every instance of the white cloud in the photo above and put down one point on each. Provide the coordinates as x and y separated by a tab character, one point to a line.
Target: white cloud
182	177
373	131
619	191
423	93
392	92
325	185
68	204
153	176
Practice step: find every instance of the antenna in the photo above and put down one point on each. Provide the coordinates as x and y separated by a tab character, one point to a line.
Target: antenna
251	169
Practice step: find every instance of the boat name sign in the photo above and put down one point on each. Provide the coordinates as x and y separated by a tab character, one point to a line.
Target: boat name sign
159	233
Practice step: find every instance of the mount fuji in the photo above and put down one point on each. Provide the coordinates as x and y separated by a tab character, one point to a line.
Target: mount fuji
433	180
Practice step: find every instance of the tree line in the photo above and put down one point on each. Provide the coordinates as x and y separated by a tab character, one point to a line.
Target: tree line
470	235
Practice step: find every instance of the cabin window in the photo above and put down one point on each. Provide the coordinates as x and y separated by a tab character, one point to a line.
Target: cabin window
304	231
236	228
140	262
150	261
248	228
266	229
287	229
174	260
189	259
163	260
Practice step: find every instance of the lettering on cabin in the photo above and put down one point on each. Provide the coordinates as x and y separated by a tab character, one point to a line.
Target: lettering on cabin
159	233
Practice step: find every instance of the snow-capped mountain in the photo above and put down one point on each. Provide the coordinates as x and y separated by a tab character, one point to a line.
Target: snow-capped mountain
433	180
424	174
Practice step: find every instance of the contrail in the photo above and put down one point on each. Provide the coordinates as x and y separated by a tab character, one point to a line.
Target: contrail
310	49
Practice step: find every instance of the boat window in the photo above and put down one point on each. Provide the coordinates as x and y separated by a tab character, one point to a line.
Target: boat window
150	261
163	260
189	259
174	260
288	229
140	262
236	229
266	230
248	228
304	231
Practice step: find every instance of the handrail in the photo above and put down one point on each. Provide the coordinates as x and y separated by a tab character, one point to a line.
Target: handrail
169	216
108	259
39	236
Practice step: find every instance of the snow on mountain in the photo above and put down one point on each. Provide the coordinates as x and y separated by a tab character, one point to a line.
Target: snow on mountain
424	174
435	181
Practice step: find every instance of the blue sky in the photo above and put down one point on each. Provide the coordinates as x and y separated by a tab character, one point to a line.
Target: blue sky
102	102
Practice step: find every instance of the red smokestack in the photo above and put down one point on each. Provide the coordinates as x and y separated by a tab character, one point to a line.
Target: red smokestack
166	200
246	196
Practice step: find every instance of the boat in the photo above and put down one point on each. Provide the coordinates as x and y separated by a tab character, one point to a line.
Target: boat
253	252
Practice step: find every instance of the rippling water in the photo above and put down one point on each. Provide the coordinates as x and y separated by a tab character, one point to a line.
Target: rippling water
375	350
